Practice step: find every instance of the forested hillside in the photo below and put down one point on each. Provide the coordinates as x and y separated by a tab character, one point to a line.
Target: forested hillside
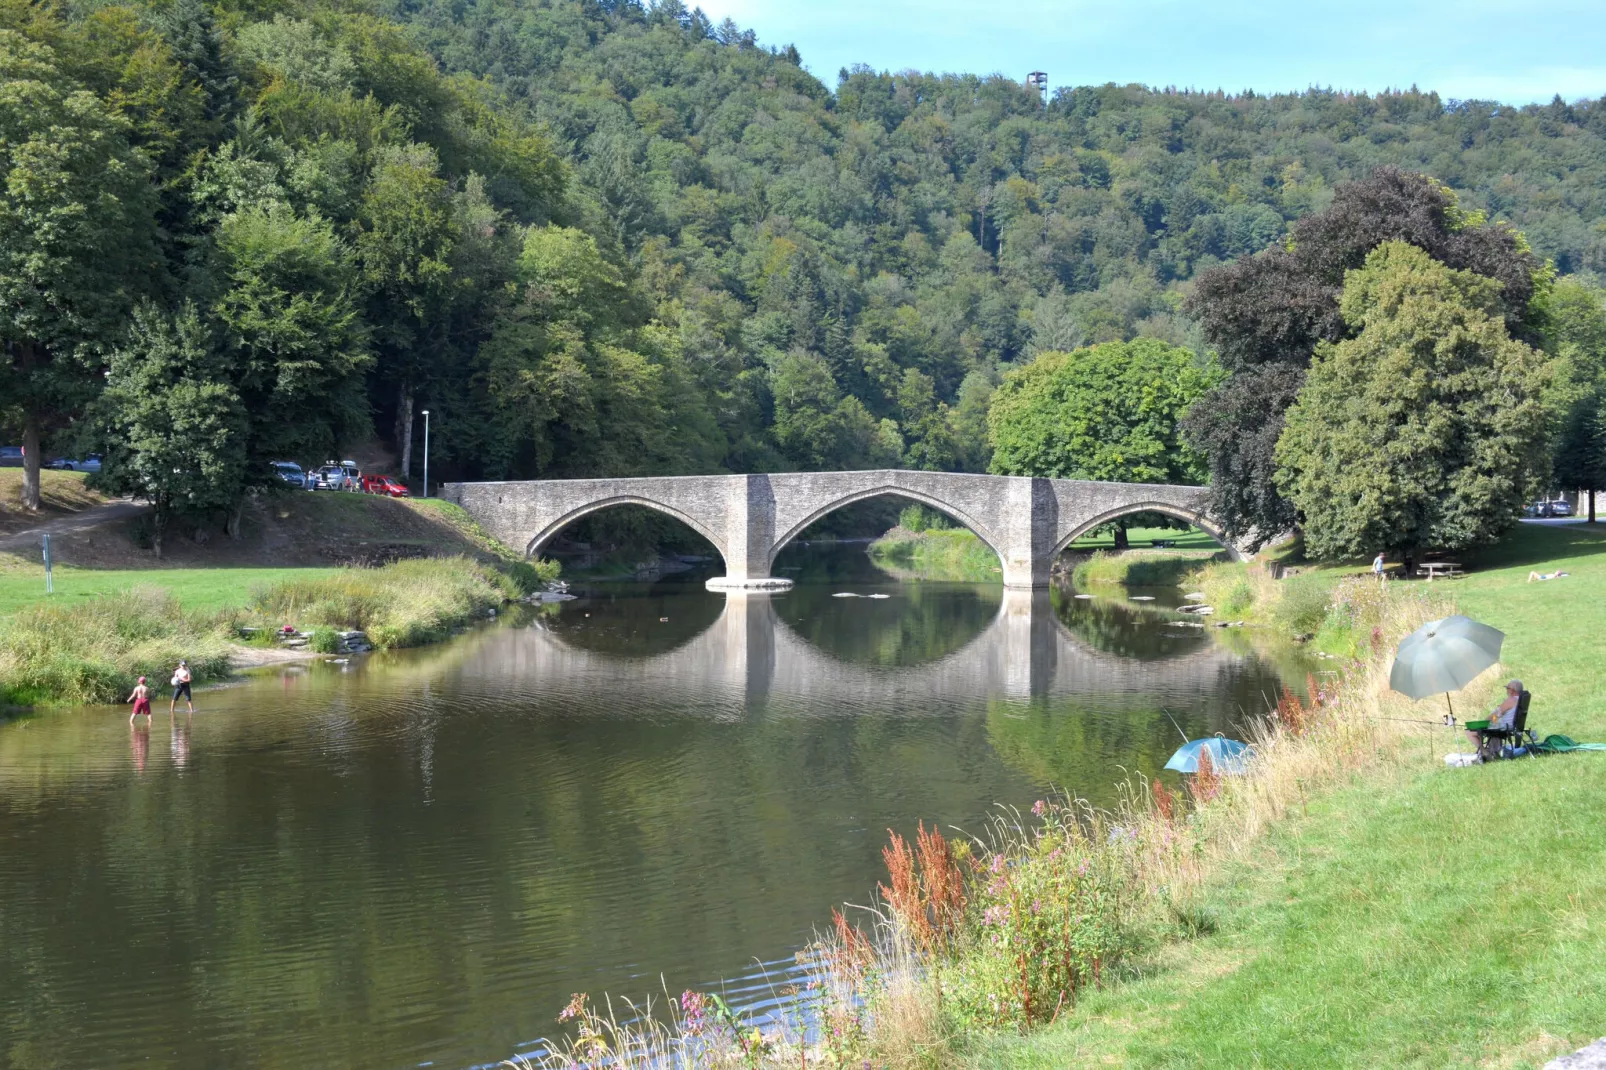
612	237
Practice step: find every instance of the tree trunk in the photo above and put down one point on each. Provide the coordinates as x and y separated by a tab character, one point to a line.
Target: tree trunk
404	425
1120	537
232	527
158	528
1591	505
32	459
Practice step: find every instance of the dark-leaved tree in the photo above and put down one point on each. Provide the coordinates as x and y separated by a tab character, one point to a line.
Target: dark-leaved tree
1276	307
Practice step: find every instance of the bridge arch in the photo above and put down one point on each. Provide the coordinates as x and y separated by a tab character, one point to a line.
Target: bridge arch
551	529
1197	519
945	508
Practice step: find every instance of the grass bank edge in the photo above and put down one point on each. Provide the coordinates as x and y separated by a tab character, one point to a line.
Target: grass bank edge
1398	921
91	651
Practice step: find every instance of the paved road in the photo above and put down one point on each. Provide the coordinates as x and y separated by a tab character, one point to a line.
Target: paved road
67	525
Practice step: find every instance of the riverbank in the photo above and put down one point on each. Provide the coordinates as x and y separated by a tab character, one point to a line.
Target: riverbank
1350	902
104	626
936	554
1411	915
90	651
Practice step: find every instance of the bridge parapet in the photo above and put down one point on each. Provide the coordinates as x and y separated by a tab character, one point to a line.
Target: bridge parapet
750	518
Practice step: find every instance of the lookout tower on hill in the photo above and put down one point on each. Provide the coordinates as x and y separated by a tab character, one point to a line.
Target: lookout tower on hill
1038	80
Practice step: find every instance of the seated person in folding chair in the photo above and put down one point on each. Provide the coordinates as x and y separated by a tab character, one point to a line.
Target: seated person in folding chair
1501	720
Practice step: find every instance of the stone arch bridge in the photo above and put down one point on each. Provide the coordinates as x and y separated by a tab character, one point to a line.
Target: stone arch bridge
750	519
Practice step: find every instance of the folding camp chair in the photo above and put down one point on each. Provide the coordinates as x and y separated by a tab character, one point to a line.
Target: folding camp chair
1519	734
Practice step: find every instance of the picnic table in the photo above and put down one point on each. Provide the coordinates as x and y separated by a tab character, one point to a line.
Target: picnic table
1447	569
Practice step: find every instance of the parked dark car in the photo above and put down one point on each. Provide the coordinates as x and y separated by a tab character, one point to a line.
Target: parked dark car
1559	507
386	485
11	456
290	472
67	464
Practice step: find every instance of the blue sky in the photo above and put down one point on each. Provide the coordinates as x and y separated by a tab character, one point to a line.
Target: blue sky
1488	49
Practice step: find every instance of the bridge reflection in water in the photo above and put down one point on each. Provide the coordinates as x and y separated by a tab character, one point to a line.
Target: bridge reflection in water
749	658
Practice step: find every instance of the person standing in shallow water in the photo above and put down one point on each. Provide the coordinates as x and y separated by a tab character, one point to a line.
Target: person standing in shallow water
181	686
141	698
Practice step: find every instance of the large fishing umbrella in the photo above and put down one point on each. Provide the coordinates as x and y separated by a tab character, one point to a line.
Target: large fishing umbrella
1444	656
1226	755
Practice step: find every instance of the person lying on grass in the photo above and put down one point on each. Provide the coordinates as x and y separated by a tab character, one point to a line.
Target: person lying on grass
1545	576
1501	718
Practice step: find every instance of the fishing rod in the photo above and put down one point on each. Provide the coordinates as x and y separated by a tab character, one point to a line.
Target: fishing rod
1447	721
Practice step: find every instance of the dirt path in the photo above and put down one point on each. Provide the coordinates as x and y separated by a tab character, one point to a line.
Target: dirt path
28	539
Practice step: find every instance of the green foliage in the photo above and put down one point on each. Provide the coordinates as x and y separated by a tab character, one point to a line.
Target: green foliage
178	429
1266	314
942	554
404	604
1578	395
1137	569
918	518
324	640
529	577
93	651
1426	429
1108	412
1046	918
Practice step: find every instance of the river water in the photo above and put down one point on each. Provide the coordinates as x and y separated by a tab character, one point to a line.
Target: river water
413	859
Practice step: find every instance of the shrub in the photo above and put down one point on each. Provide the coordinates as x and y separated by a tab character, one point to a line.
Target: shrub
403	604
93	651
1302	603
324	640
529	578
918	518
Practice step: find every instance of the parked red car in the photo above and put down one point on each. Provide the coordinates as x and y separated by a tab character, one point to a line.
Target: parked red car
384	485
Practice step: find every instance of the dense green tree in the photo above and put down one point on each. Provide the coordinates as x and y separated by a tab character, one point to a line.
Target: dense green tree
1425	429
177	428
77	240
1578	325
1276	307
291	318
1108	412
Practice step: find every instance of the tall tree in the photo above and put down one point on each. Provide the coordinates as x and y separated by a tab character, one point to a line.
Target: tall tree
177	428
1578	327
1108	412
77	240
1276	307
1427	428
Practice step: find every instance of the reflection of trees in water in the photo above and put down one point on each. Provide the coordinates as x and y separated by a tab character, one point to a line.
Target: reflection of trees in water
1086	747
920	623
1117	628
627	619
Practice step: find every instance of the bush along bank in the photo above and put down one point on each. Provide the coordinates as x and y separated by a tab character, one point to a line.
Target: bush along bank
92	651
936	554
1139	568
1001	933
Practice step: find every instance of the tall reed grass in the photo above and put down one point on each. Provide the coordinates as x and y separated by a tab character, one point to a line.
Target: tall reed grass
1006	929
403	604
93	651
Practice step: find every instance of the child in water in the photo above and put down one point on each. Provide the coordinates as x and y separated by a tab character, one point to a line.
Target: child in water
141	698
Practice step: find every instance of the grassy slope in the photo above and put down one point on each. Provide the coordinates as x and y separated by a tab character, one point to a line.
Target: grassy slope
1423	917
318	529
60	494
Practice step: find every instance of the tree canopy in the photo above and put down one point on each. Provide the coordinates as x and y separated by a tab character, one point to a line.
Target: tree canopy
1427	427
1107	412
614	237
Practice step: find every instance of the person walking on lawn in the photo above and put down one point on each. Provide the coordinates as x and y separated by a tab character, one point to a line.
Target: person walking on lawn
181	686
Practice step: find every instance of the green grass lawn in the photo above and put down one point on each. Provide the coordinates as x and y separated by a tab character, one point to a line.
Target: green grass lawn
195	588
1421	917
1191	539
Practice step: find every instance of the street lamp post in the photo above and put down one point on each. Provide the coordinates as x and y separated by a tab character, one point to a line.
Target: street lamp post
426	453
